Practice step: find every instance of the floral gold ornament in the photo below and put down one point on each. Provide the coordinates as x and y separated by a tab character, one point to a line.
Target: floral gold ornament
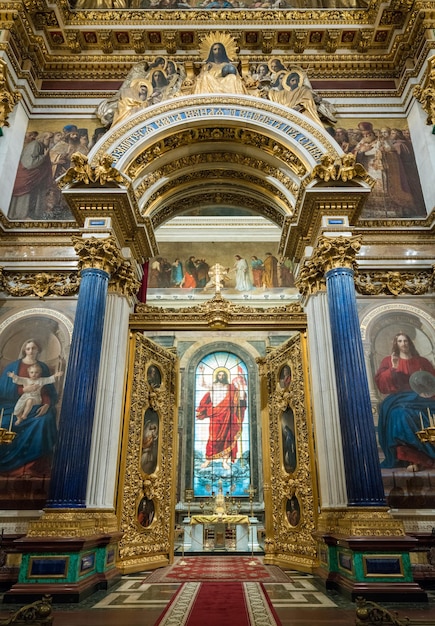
426	95
8	98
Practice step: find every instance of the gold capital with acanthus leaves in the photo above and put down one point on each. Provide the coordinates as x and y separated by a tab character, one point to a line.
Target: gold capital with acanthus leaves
124	280
331	252
98	253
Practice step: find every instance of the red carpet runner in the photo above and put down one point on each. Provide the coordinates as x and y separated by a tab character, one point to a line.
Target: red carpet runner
215	568
215	604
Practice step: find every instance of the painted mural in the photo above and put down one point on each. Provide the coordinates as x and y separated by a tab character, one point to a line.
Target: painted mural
402	360
45	156
222	424
251	269
32	368
384	148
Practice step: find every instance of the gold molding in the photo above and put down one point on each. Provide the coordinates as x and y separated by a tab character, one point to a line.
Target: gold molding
359	522
73	523
218	313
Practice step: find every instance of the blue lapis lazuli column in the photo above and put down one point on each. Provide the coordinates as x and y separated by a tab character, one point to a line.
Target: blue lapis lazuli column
72	453
360	453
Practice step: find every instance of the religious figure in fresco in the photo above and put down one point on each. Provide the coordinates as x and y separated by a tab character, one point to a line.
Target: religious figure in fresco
241	269
224	405
36	434
270	276
408	379
34	177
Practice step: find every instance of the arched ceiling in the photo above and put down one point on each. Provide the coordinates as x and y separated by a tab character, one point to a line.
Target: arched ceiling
229	161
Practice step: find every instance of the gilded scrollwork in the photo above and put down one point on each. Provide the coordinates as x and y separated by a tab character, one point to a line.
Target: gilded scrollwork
219	313
124	280
39	284
93	252
8	98
151	544
394	283
426	94
288	539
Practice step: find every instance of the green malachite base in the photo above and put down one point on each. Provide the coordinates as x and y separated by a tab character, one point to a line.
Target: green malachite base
67	569
376	568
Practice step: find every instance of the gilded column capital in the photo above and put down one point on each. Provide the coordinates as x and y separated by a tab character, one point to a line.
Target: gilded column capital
98	253
425	93
124	280
8	98
330	253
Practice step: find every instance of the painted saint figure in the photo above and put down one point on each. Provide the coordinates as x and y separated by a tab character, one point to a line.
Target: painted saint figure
224	405
37	433
409	381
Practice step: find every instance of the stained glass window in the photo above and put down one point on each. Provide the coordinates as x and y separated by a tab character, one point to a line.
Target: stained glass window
222	426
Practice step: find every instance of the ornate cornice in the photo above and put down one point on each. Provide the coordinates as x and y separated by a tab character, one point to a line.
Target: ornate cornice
39	284
218	313
96	253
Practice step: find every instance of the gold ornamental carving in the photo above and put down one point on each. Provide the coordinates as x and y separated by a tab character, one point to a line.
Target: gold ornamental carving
8	98
331	252
288	540
426	94
74	523
39	284
360	522
102	254
81	172
341	169
219	313
148	543
124	280
395	283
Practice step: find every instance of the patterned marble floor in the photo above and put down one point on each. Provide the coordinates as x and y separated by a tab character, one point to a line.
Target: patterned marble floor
300	602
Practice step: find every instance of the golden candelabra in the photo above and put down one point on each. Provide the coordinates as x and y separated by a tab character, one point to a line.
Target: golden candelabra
6	436
427	435
188	495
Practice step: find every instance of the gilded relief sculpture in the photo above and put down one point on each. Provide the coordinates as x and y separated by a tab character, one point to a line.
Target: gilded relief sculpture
162	79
